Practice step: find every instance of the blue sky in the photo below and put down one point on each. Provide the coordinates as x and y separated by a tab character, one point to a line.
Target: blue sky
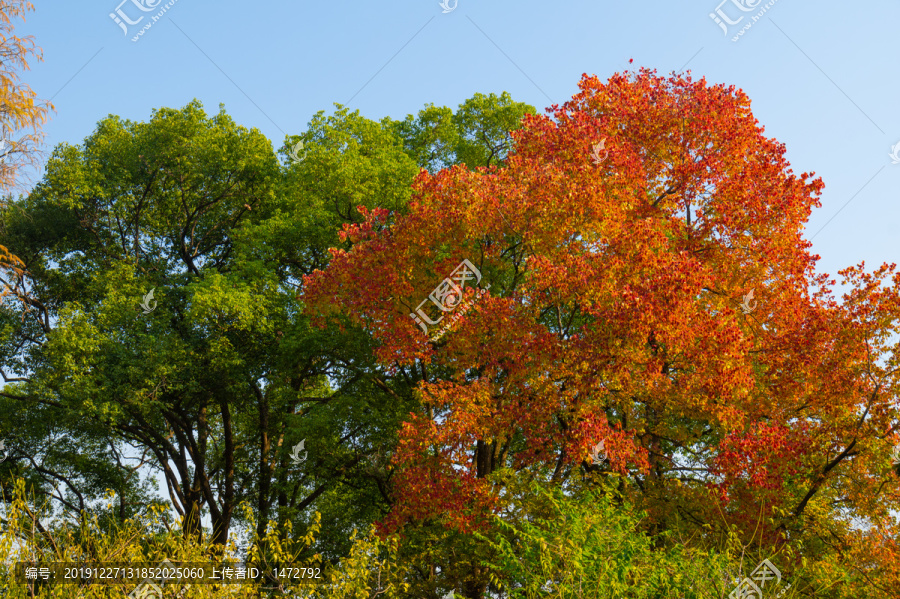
823	78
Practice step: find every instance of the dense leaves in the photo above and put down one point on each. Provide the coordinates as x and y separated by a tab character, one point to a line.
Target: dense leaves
620	308
520	342
211	381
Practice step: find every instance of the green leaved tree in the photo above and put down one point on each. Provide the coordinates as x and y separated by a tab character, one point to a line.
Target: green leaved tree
155	325
155	321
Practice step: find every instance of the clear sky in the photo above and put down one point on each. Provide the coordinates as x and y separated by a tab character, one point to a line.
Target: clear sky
823	76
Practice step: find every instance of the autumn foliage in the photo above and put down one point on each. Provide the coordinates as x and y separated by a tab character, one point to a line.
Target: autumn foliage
620	309
18	111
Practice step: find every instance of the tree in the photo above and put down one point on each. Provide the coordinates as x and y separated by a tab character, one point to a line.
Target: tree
219	376
650	288
214	379
477	134
17	111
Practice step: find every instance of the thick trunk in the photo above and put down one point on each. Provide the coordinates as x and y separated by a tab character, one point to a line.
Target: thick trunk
475	587
265	473
222	516
487	457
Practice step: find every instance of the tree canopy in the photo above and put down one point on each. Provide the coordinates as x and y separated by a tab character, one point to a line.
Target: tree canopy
649	288
155	322
541	353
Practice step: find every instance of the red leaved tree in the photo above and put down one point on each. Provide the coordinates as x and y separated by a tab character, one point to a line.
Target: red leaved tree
649	287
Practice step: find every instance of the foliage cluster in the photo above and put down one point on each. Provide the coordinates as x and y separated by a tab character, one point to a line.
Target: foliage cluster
180	306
